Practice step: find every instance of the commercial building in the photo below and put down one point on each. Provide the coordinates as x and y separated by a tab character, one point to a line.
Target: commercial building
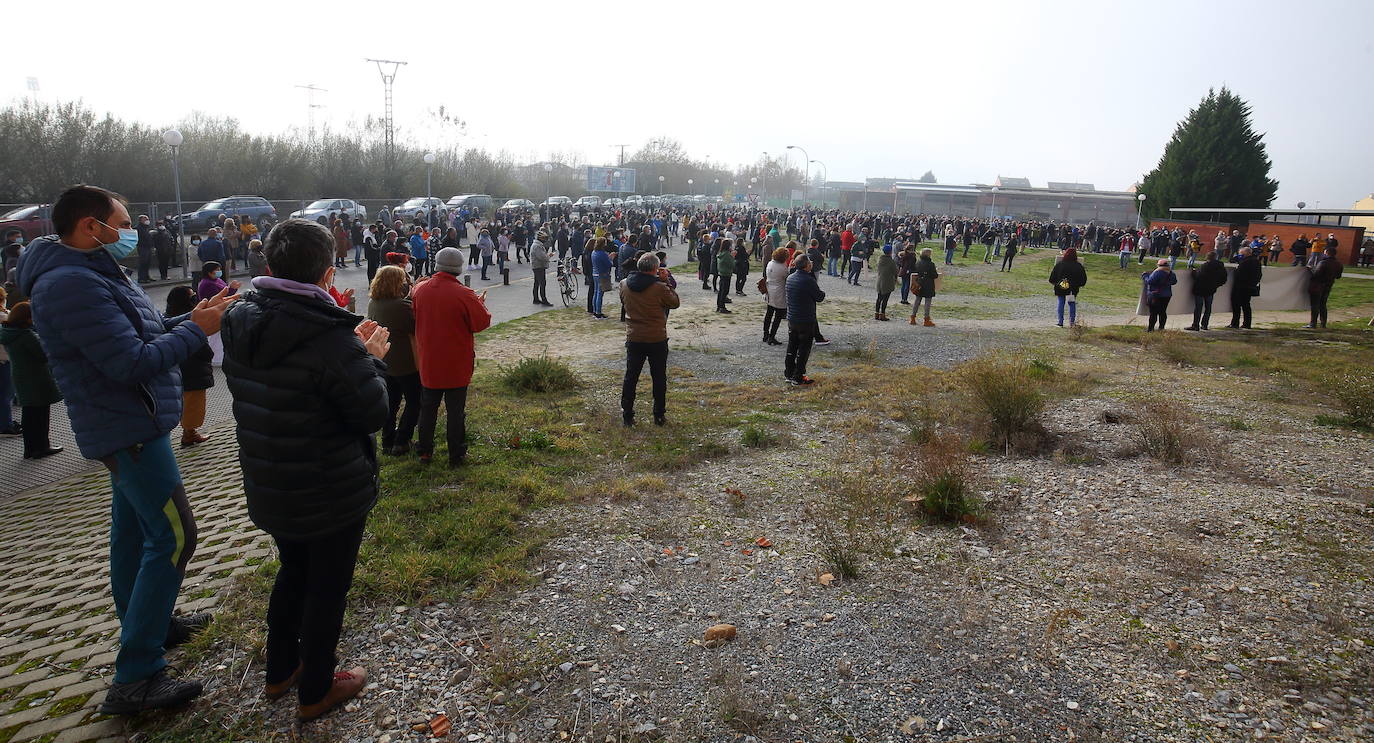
1077	203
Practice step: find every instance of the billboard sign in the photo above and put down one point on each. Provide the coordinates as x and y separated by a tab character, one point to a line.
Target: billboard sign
605	180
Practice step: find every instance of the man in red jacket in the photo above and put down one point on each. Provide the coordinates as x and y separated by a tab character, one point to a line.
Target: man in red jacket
447	315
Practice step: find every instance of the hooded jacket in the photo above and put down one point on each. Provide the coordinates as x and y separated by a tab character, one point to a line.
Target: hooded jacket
114	356
646	299
307	398
803	292
33	383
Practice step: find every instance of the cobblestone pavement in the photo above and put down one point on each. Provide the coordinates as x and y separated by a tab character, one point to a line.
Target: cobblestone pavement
58	630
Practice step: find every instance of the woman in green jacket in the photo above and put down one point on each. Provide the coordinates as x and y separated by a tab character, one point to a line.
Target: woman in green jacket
33	382
887	282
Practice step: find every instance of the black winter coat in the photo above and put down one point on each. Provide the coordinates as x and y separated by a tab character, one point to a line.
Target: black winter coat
1208	278
197	372
307	397
1071	270
1246	279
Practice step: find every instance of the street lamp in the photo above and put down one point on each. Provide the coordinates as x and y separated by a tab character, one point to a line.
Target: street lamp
1301	205
548	180
992	210
825	176
764	185
1139	207
174	139
660	185
690	191
429	174
807	175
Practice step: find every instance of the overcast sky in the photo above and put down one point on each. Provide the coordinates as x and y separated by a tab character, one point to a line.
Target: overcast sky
1050	90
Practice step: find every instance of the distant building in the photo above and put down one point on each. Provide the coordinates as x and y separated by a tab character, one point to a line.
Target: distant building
1078	203
1366	222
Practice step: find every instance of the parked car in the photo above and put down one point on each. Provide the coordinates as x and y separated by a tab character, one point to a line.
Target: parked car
33	221
588	202
253	206
635	201
613	203
321	209
416	208
518	204
557	201
479	203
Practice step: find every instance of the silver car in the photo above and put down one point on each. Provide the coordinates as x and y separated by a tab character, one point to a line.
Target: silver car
416	208
321	209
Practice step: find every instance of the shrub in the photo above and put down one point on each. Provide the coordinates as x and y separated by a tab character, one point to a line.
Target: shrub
945	485
857	515
1166	431
1002	392
755	436
1355	393
1040	368
539	374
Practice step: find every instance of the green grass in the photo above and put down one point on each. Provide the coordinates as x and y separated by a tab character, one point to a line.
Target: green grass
1108	285
438	532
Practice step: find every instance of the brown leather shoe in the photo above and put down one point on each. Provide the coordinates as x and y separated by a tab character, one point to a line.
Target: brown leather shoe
191	438
347	684
276	691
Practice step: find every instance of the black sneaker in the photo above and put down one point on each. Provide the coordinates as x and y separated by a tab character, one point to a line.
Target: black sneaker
660	420
823	342
183	628
154	692
13	431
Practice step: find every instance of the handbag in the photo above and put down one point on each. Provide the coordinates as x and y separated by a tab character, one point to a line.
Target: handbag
763	285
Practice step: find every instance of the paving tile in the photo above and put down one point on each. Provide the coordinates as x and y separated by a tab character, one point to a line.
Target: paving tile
93	731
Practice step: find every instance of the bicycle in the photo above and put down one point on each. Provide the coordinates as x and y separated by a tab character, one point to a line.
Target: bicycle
568	271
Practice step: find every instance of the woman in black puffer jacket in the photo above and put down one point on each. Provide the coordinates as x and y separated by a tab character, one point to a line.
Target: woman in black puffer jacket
309	393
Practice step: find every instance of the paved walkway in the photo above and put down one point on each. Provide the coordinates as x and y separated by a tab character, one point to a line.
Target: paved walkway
58	633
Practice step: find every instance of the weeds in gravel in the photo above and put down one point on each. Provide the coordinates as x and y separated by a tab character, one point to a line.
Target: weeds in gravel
539	374
755	436
868	352
1355	394
1167	431
945	483
1006	397
858	515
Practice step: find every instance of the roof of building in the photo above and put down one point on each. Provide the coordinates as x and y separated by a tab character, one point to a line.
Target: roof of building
1056	186
1005	182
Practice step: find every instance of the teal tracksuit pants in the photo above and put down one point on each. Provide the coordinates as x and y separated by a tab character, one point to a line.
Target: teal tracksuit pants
152	538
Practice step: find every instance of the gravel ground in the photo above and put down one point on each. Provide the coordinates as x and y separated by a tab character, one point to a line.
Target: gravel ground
1105	597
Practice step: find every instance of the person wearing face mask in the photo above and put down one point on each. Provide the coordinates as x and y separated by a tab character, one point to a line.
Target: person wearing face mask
115	359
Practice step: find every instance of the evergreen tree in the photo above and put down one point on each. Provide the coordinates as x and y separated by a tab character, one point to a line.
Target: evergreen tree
1215	158
929	177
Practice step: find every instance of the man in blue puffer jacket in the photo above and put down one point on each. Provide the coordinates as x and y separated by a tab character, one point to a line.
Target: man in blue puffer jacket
116	361
802	328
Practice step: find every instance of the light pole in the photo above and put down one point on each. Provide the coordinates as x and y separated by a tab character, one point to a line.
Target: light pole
992	210
615	176
660	185
806	176
690	190
825	178
429	174
1301	205
1139	207
717	184
174	139
548	180
764	174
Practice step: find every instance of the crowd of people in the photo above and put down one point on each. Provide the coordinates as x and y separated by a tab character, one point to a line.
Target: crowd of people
312	383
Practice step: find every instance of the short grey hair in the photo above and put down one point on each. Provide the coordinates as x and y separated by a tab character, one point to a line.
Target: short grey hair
648	263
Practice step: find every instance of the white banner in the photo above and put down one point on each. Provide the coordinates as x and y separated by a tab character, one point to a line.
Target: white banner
1281	288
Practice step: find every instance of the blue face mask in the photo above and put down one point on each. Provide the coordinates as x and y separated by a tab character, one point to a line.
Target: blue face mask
125	245
214	274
